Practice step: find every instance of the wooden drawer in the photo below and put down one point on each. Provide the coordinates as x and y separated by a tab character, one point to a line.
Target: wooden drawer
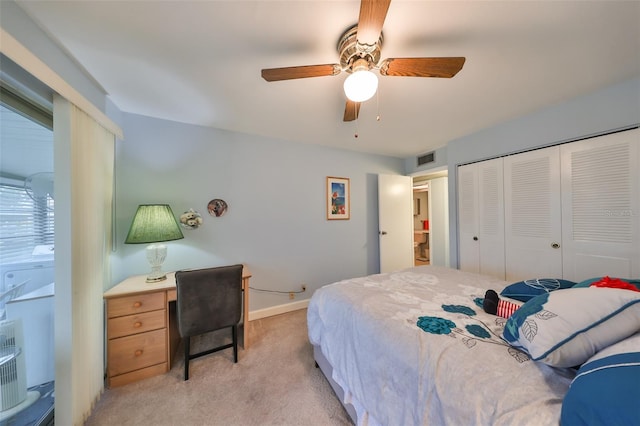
138	351
134	376
134	324
135	304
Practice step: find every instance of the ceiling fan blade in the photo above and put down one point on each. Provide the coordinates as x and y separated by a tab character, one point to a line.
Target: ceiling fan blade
372	16
305	71
422	67
351	110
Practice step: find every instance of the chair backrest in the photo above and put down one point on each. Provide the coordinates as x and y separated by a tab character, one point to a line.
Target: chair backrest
208	299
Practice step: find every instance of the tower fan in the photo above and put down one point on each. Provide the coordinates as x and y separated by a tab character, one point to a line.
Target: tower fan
13	376
39	186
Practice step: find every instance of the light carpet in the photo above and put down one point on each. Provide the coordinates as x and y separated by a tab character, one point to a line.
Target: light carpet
275	382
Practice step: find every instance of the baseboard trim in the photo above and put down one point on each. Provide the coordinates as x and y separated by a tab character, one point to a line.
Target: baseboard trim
277	310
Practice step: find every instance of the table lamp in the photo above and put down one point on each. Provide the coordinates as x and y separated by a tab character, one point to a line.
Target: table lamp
154	223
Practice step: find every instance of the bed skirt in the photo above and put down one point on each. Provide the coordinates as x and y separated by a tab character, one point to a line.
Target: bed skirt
327	370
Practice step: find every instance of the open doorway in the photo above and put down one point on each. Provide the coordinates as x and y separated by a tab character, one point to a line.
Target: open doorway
420	223
430	219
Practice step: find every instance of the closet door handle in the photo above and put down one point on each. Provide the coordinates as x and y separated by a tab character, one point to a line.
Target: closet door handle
555	245
383	232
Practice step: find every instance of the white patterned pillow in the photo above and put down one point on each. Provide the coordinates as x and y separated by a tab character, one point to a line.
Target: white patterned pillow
565	328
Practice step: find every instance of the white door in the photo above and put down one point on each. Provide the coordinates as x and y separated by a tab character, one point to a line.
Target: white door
468	244
439	221
533	230
481	217
395	222
491	217
600	205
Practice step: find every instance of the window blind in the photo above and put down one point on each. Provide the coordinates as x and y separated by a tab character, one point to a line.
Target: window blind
24	224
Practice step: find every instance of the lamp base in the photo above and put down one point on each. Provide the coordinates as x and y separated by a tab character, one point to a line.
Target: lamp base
156	254
151	279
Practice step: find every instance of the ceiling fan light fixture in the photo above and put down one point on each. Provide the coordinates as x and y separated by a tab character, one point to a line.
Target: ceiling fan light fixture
361	85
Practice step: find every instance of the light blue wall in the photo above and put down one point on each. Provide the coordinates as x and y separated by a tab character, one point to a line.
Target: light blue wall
276	222
613	108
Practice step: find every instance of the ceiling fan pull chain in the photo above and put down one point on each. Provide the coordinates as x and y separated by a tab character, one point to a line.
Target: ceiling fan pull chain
357	127
378	104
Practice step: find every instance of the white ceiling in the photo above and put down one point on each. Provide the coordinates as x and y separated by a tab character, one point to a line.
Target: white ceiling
199	62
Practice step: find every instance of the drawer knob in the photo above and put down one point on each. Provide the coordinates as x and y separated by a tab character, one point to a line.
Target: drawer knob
137	324
137	304
138	352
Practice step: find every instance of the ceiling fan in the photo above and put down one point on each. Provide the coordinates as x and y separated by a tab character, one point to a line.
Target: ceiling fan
359	50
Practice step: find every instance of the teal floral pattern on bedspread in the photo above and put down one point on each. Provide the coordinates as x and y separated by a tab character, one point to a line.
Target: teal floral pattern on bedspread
436	325
471	334
460	309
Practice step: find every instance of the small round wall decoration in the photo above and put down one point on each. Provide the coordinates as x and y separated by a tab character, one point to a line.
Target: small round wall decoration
190	219
217	207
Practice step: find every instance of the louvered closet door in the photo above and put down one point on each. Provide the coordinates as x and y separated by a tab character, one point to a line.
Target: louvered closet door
468	243
491	220
601	206
533	229
481	216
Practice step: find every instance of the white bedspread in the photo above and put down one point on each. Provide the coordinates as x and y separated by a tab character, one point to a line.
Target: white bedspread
400	374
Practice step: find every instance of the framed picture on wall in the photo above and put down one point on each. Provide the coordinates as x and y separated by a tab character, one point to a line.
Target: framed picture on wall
338	198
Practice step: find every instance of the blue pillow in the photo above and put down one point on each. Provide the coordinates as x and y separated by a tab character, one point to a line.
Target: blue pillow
606	389
587	283
565	328
528	289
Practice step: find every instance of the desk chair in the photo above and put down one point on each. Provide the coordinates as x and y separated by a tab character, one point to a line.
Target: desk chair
208	300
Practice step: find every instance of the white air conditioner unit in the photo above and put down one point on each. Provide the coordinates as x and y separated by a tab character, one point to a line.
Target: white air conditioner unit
13	377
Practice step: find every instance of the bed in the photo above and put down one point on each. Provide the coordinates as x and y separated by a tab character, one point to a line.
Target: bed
414	347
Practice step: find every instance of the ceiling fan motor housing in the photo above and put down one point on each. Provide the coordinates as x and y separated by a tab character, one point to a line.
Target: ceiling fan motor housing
351	51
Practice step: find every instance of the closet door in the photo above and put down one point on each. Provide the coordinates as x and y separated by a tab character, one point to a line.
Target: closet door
491	217
533	228
601	207
481	207
468	241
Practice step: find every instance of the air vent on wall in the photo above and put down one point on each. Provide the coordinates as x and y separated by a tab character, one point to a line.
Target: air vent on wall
427	158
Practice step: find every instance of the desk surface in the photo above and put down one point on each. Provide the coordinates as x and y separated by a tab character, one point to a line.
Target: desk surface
135	285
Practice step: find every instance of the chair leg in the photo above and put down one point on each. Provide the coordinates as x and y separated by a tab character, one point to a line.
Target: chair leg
186	357
234	338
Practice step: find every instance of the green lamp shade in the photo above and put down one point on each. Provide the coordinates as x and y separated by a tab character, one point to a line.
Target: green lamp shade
153	223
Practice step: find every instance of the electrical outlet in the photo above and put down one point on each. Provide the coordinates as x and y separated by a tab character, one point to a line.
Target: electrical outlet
292	295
